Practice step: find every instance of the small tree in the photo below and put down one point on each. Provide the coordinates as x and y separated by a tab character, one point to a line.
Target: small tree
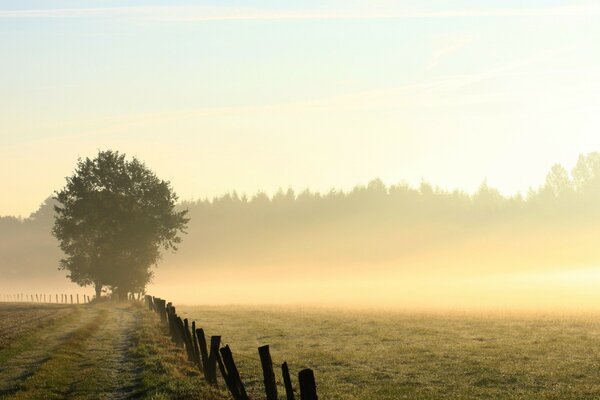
112	220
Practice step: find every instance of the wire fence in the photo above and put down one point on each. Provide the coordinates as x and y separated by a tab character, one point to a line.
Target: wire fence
210	357
45	298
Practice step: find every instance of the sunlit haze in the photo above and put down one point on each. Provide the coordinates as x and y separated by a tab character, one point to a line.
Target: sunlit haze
425	133
261	95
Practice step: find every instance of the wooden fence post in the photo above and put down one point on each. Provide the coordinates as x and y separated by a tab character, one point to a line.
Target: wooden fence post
289	390
268	374
233	375
179	337
171	320
161	307
203	352
211	365
189	347
231	386
71	299
308	388
196	348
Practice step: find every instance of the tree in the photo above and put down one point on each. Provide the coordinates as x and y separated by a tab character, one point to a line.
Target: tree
112	220
586	175
558	182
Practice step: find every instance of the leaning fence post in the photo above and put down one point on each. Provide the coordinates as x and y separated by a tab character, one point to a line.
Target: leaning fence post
228	379
268	374
233	374
308	388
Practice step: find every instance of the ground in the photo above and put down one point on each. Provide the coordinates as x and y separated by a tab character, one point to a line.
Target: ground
99	351
416	355
121	351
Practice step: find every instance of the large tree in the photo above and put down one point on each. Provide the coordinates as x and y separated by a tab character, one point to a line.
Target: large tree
113	219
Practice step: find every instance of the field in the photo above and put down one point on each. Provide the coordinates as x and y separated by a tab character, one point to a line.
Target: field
120	351
360	355
99	351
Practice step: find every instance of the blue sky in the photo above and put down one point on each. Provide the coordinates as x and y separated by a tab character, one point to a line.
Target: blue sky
257	95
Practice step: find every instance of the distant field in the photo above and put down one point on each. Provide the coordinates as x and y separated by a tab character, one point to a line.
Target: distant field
416	356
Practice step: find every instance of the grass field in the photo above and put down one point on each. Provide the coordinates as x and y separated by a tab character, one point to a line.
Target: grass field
100	351
120	351
360	355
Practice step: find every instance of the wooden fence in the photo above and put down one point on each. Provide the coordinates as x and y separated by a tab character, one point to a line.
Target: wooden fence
208	357
44	298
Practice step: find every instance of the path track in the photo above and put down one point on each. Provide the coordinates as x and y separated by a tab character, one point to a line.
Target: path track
82	353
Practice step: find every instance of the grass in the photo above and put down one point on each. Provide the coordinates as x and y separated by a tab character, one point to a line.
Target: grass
54	378
101	351
121	351
359	355
165	371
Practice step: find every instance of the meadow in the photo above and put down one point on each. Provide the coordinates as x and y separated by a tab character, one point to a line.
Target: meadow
104	350
405	355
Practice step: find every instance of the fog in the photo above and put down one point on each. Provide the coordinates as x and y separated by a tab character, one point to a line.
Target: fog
393	247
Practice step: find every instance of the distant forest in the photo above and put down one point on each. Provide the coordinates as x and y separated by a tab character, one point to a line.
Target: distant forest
368	225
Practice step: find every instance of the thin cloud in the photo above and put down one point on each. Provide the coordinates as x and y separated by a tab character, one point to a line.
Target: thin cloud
447	45
199	13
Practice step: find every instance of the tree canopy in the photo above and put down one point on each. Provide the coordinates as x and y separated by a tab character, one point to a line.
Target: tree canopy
113	218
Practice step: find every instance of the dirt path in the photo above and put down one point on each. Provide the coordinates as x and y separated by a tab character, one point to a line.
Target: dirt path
84	354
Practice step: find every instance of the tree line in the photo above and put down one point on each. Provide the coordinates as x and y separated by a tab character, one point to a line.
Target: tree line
369	223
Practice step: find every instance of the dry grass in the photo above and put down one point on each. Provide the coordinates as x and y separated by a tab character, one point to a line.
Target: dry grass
359	355
100	351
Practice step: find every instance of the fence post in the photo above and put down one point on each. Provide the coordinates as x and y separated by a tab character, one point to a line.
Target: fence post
179	337
233	374
171	320
211	365
289	390
196	348
203	352
189	347
308	388
268	374
231	386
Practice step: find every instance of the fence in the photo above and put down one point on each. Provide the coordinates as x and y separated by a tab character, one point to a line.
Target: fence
61	298
208	358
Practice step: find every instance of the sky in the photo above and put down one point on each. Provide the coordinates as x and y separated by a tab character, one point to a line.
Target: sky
261	95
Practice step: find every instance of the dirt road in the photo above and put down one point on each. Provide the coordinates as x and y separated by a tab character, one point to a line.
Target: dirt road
68	351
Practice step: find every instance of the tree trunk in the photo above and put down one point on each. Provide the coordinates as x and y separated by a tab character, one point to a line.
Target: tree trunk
122	292
98	288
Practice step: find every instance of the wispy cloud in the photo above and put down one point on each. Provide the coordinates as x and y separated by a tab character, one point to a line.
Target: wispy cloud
446	45
201	13
442	91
